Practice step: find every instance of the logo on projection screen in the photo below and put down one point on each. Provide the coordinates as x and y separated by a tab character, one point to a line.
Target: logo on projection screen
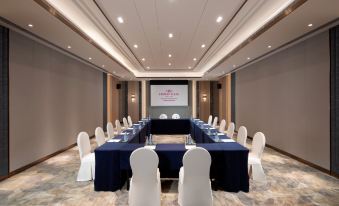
169	95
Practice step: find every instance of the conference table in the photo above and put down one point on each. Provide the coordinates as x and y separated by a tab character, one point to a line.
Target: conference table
228	170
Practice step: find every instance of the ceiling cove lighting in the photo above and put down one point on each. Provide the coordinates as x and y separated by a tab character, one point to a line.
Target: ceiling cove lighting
194	59
310	25
170	35
219	19
120	20
203	46
135	46
30	25
170	55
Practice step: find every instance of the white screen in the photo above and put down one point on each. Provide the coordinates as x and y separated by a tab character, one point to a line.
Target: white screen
169	95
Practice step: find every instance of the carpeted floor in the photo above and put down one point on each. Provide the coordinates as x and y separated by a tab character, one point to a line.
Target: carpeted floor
53	183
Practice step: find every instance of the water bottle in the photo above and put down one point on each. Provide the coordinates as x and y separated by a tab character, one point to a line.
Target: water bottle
146	142
209	131
125	137
150	139
216	138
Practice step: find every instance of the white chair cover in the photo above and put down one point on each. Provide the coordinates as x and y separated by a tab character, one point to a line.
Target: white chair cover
129	119
209	122
242	136
222	126
99	136
145	185
125	122
118	126
87	159
194	185
110	130
215	122
175	116
163	116
254	157
230	130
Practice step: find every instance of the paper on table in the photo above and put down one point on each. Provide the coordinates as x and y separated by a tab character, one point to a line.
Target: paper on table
129	128
190	146
150	146
220	133
227	140
114	140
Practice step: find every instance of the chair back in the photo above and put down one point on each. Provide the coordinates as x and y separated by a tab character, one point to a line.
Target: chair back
118	126
124	120
163	116
99	136
196	179
175	116
209	122
84	144
129	119
144	163
110	130
258	144
215	122
230	130
222	126
242	136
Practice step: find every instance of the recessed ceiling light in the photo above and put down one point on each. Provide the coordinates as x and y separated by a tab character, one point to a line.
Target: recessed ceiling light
234	65
189	67
135	46
170	35
69	47
248	58
203	46
269	46
194	59
114	72
147	67
103	65
90	58
310	25
30	25
170	55
143	59
120	20
169	64
219	19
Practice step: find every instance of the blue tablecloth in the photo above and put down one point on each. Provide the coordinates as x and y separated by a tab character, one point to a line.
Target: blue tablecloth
170	126
228	168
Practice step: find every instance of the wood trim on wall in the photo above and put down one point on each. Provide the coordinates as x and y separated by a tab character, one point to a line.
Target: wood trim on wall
194	98
109	98
228	98
204	106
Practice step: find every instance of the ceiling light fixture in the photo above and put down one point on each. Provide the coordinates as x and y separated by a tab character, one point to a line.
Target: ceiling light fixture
203	46
310	25
103	66
189	67
147	67
30	25
170	35
219	19
143	59
135	46
114	72
169	64
234	65
90	58
194	59
269	46
170	55
69	47
120	20
248	58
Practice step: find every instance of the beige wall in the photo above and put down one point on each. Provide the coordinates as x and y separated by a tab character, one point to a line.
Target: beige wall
133	107
52	98
286	96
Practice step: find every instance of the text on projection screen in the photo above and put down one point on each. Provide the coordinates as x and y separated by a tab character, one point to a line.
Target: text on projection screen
169	95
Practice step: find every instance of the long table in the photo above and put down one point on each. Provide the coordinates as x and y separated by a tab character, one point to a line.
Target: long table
228	168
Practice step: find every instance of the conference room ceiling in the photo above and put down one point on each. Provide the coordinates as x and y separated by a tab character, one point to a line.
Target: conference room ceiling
92	30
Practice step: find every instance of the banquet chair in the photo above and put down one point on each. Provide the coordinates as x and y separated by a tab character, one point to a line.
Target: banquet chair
125	122
242	136
222	126
175	116
215	122
209	122
129	120
254	157
87	159
230	130
163	116
145	184
99	136
110	130
117	127
194	186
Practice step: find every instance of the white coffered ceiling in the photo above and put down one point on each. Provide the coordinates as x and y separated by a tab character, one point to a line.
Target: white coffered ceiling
92	29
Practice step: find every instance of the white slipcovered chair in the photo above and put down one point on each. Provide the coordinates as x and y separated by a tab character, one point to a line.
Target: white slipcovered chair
209	122
110	130
175	116
87	159
215	122
145	185
242	136
125	122
222	126
99	136
118	126
254	157
129	119
163	116
230	130
194	184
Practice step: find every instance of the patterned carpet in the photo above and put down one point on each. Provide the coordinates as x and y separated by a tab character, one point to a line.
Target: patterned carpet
53	183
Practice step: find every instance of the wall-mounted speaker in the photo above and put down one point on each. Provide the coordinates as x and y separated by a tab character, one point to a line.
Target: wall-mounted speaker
118	86
219	86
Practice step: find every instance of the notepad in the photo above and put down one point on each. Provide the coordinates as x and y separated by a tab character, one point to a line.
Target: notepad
150	147
190	146
114	140
227	140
